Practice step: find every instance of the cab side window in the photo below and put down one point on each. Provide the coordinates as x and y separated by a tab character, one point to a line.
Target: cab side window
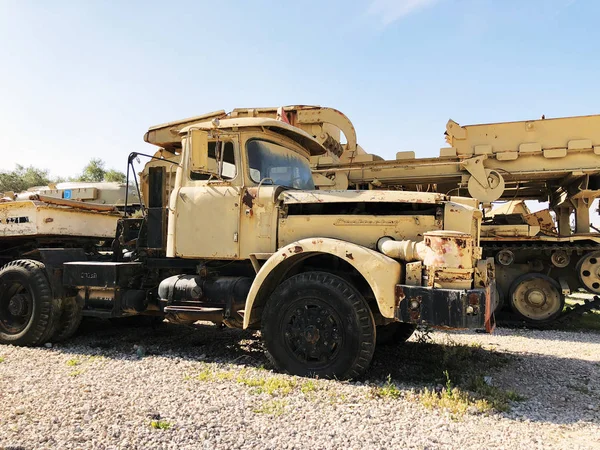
229	169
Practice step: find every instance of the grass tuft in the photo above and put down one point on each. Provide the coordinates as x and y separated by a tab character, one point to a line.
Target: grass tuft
160	424
269	385
73	362
261	384
388	390
499	399
455	401
308	386
272	407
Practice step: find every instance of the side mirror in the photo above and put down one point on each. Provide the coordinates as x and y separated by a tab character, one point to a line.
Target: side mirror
199	160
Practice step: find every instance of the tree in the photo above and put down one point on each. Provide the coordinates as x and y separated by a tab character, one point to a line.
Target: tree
94	171
115	175
23	178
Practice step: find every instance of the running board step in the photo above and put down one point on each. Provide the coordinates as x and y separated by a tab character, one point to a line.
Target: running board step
186	313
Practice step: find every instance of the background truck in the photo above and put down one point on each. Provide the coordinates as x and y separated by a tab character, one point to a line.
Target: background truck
233	231
101	193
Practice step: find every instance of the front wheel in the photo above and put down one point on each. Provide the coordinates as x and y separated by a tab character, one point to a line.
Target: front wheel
28	313
317	324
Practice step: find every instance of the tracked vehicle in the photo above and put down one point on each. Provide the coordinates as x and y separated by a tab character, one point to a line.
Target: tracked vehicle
540	257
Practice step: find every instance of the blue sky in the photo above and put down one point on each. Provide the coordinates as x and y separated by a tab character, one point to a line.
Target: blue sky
83	79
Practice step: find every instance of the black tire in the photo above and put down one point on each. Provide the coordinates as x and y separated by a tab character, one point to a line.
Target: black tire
69	321
28	313
395	333
305	310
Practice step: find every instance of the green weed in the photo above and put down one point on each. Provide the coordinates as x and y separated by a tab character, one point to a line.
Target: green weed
388	390
308	386
455	401
272	407
498	398
160	424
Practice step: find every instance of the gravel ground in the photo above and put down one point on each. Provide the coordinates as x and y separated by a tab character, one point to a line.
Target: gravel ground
175	387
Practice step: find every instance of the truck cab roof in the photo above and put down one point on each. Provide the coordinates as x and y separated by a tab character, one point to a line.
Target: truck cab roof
168	135
274	125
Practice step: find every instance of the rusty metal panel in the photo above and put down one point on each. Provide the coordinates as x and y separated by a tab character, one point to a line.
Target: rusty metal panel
414	273
450	308
543	219
28	218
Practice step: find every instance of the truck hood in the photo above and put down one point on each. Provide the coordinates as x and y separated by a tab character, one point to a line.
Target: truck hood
295	197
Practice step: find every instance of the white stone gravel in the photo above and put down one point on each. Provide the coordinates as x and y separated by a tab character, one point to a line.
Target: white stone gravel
97	391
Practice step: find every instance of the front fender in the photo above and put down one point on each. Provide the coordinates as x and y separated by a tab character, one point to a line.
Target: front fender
381	272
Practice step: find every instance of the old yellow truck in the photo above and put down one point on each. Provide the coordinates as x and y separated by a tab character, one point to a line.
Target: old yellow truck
235	232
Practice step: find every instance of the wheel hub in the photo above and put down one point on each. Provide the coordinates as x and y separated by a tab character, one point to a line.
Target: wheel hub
17	305
311	332
536	297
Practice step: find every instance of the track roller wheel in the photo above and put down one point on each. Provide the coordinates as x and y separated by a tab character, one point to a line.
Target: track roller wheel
588	268
536	298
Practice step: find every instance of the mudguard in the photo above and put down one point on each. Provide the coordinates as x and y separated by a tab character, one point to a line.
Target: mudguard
381	272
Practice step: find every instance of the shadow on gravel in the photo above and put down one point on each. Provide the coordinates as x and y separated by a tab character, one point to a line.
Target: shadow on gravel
545	388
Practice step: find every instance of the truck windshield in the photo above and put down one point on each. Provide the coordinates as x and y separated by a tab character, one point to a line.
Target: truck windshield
284	166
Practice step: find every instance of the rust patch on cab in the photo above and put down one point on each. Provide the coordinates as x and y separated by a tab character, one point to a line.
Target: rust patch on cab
247	199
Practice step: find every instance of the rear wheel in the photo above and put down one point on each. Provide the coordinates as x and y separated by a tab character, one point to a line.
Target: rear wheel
69	321
317	324
28	313
395	333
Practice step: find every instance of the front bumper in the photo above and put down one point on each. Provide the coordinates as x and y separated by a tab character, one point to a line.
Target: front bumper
452	308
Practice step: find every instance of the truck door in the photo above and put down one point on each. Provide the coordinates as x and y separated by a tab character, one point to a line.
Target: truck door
207	209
